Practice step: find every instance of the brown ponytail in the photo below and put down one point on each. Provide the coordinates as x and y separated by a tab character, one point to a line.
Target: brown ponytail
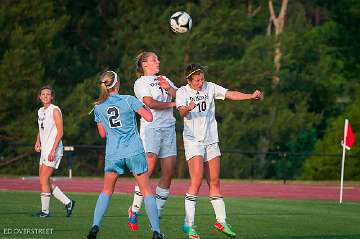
107	82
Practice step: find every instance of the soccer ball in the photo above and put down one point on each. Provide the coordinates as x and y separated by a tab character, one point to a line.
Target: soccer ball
180	22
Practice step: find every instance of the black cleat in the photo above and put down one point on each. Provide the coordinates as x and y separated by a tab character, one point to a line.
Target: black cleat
41	214
69	208
93	232
157	235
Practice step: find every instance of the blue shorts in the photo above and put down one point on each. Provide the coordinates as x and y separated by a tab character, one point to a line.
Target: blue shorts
160	141
136	164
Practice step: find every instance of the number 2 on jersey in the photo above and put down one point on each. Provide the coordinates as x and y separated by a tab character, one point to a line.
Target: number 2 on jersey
114	117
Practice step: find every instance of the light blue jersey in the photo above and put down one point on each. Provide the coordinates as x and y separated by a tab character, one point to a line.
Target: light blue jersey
117	115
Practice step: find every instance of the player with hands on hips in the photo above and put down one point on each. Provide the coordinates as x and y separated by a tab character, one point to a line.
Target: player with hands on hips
159	136
49	144
196	104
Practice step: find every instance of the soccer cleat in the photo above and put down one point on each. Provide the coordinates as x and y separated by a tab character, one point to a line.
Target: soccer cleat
224	228
69	208
41	214
132	220
157	235
93	232
190	231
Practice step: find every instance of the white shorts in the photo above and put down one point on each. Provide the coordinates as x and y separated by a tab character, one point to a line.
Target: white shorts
57	159
208	152
160	141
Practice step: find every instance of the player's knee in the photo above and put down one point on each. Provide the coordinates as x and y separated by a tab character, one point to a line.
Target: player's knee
214	182
44	180
151	156
196	183
108	192
166	176
147	192
194	189
145	189
165	182
170	172
151	169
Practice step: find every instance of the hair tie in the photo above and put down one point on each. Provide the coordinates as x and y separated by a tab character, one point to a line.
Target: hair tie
115	80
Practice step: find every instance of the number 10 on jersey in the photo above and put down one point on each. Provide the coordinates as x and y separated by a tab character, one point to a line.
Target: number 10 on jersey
201	106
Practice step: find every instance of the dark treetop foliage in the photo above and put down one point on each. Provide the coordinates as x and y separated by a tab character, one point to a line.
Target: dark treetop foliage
69	43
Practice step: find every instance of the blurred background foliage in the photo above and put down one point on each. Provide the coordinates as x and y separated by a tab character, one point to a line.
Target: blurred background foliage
294	132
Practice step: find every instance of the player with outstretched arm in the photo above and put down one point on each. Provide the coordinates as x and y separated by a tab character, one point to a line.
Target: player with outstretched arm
196	104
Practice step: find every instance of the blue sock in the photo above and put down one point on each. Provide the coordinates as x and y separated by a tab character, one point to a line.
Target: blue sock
152	212
100	209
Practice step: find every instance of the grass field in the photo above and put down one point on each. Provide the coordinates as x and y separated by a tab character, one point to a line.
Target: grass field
251	218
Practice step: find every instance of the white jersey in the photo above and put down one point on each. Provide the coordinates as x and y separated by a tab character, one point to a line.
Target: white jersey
200	124
47	129
149	86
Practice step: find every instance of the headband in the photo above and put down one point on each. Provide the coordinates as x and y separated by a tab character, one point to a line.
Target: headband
115	80
191	73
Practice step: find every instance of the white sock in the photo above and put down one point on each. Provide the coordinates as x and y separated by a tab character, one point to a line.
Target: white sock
161	197
138	199
219	208
190	204
45	202
59	195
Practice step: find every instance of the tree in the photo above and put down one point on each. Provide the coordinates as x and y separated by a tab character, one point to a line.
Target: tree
326	167
30	43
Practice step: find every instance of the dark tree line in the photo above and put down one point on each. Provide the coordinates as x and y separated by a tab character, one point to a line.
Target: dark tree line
303	54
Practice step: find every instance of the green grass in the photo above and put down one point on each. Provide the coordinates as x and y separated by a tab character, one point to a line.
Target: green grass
250	218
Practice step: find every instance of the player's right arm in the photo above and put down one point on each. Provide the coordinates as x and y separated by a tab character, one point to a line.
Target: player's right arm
60	131
37	143
157	105
143	93
184	110
181	103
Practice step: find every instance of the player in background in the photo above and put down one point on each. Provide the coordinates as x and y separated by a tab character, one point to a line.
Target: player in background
196	105
115	118
48	142
158	136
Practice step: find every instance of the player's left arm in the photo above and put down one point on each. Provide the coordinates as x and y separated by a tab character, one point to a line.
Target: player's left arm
101	130
172	91
60	131
237	95
145	113
136	105
163	83
185	110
